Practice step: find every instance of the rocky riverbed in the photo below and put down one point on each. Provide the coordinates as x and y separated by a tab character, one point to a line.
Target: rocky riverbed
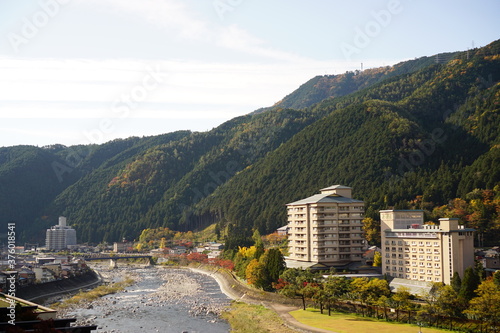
161	300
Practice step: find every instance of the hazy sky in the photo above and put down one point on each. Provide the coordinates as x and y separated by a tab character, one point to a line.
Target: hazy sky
89	71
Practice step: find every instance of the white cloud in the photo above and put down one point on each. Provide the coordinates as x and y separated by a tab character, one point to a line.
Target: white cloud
172	15
175	18
89	88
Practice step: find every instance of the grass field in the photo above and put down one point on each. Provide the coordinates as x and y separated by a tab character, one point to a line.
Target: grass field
347	323
247	318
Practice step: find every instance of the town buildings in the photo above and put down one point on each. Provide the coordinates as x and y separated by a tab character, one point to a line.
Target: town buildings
60	236
412	250
325	229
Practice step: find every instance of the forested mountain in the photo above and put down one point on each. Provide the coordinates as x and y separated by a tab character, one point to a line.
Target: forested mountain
320	88
393	134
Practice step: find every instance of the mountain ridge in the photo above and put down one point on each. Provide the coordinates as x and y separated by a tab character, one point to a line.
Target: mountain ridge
365	130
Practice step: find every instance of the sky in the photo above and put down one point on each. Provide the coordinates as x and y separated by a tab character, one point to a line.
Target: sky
90	71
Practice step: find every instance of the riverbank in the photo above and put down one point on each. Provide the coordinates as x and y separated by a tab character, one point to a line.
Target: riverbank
240	292
161	300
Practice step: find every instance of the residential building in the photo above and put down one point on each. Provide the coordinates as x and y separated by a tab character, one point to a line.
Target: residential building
325	229
43	274
123	246
282	231
412	250
60	236
26	276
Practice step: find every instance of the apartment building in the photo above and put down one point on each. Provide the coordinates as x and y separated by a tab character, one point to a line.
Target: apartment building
326	228
60	236
412	250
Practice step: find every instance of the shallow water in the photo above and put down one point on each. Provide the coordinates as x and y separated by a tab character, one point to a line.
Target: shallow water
163	300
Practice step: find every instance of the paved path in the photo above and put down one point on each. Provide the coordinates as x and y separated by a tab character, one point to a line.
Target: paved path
284	312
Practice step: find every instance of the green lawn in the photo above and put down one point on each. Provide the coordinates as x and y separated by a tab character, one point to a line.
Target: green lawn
347	323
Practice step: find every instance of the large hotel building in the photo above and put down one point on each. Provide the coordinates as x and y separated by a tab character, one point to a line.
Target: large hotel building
412	250
326	228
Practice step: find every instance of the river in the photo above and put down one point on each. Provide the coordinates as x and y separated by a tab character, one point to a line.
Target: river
161	300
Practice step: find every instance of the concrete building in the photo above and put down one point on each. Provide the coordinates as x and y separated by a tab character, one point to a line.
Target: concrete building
412	250
60	236
325	229
123	246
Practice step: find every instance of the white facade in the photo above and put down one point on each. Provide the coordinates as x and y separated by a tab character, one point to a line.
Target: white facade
326	228
60	236
412	250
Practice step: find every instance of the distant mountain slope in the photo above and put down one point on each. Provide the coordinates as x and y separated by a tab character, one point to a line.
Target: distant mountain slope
439	140
418	128
323	87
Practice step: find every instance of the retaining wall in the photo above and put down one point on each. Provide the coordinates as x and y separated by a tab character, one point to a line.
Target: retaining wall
37	292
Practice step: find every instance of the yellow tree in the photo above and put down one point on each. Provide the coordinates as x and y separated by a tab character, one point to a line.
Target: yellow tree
486	306
255	273
163	243
372	230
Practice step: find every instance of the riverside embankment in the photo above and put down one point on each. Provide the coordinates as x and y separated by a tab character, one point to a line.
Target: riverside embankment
237	290
39	292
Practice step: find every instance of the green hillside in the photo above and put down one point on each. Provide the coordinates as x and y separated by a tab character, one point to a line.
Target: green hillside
393	133
438	140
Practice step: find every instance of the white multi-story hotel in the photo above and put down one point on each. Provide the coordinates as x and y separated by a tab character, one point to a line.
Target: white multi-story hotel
60	236
412	250
326	228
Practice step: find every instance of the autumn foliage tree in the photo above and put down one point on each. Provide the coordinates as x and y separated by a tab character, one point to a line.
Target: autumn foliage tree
371	228
486	306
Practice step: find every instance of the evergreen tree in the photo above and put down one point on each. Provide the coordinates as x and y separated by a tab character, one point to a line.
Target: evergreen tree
496	278
274	266
259	245
470	283
456	282
480	271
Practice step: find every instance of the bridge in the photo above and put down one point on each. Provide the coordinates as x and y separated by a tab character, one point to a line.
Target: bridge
114	259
